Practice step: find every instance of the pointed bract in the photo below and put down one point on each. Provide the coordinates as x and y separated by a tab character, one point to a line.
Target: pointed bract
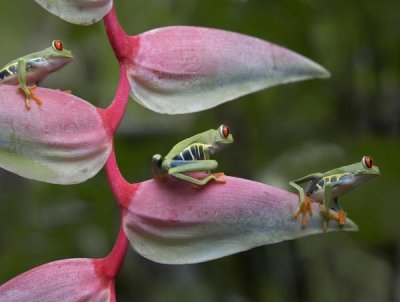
68	280
81	12
172	222
184	69
64	141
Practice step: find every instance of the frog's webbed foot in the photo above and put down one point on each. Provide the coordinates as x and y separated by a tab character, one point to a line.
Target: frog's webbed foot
218	177
28	93
304	208
339	216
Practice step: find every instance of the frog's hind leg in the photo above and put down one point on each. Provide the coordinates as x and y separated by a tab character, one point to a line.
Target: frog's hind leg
195	166
304	208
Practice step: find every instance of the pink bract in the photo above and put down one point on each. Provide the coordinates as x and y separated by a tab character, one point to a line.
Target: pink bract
66	140
182	69
172	222
81	12
65	280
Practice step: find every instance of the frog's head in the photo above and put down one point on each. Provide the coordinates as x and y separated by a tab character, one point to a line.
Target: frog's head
222	135
219	137
57	49
365	168
57	56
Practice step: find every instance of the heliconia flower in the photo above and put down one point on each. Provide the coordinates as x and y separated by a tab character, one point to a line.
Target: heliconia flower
81	12
169	221
182	69
66	140
69	280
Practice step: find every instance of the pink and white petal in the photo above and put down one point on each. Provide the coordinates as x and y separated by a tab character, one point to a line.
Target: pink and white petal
66	140
171	222
81	12
182	69
68	280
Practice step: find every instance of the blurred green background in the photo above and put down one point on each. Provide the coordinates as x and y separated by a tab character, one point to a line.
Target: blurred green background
280	133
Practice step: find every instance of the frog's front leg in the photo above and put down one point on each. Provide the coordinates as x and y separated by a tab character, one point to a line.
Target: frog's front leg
180	167
28	91
326	203
340	215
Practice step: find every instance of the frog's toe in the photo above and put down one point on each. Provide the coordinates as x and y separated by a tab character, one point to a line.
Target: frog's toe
339	216
33	96
27	103
28	93
218	177
303	209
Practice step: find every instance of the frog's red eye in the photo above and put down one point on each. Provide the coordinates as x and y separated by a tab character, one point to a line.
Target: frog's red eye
224	130
58	45
367	160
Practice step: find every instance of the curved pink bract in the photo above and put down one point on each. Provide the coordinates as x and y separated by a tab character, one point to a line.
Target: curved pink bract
63	141
170	221
81	12
181	69
67	280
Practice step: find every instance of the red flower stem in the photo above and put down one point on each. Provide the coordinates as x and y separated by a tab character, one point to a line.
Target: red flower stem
121	188
119	40
122	47
115	112
114	260
122	191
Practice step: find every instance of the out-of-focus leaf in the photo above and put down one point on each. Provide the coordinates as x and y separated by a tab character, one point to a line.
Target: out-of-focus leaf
81	12
66	140
184	69
169	221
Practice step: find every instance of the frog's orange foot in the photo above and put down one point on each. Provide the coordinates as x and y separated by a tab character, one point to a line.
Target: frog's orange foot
303	209
339	216
31	96
218	178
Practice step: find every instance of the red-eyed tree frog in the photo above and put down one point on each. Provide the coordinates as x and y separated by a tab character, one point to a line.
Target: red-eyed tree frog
33	68
326	187
193	155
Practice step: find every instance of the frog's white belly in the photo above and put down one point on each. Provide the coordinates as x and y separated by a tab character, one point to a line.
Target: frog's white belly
37	70
336	191
339	188
33	76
